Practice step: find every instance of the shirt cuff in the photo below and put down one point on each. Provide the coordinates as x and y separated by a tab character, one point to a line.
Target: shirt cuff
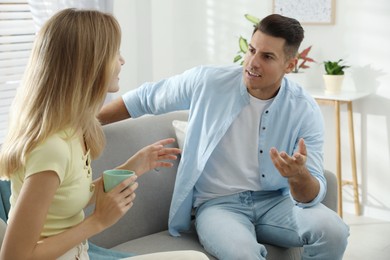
315	201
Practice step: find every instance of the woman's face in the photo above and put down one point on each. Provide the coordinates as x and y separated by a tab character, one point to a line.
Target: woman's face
114	83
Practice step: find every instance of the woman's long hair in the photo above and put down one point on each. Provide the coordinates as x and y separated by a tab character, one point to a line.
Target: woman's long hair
65	83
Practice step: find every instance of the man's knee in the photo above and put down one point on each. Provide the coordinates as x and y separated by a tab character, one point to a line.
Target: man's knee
322	227
329	239
333	228
336	233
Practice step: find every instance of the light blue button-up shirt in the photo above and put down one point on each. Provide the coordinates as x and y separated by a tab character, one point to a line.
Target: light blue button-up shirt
214	97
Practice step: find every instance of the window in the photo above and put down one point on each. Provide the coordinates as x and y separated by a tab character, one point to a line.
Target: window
17	33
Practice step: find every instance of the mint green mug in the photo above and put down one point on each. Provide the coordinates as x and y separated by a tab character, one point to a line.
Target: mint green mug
112	178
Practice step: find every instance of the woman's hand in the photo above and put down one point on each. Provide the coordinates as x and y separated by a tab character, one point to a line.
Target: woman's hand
111	206
152	156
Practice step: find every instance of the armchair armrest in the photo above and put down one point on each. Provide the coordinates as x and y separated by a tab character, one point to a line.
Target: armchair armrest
330	199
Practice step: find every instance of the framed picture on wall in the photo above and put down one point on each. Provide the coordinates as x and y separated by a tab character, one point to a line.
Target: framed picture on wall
314	12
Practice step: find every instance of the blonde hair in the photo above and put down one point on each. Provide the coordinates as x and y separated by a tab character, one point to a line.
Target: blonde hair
65	83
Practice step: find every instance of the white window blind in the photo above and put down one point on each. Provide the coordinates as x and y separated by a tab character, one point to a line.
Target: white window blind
19	21
17	33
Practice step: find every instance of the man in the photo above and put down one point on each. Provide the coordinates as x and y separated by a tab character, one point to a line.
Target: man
252	160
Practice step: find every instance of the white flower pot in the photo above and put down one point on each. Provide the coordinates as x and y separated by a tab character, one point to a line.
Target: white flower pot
333	83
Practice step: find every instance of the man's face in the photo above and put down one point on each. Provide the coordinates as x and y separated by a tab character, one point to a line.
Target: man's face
265	65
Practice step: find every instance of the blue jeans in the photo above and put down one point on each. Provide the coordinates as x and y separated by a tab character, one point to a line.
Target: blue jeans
235	226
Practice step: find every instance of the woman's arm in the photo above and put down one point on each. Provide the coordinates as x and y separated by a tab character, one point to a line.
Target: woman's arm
25	226
151	156
146	159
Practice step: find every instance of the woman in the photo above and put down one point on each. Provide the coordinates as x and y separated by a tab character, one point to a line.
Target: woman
53	134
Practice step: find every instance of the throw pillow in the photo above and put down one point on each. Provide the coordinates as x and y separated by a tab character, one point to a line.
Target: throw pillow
180	128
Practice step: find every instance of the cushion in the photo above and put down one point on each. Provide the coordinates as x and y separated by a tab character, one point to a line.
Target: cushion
162	241
180	128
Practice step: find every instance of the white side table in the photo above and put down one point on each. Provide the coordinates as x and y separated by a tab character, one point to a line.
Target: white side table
344	97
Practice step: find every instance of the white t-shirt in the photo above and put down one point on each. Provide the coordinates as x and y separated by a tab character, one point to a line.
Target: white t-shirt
233	166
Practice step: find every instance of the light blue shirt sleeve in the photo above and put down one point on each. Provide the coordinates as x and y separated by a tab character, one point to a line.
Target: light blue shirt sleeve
171	94
316	200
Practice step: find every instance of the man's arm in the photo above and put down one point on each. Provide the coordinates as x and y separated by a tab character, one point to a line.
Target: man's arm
113	112
303	186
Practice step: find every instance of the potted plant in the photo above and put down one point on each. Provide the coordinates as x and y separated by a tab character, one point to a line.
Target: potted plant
303	59
296	74
334	75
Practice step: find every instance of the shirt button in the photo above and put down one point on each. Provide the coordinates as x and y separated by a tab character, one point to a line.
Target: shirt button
261	151
263	128
266	112
263	175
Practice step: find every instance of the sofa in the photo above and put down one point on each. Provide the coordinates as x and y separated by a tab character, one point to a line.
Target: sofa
144	228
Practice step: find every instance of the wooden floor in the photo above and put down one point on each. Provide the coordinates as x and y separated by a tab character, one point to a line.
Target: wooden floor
369	238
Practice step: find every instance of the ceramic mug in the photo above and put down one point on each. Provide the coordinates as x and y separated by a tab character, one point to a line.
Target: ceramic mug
112	178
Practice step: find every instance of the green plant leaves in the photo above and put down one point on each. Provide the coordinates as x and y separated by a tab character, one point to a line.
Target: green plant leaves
237	58
334	67
243	43
252	19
